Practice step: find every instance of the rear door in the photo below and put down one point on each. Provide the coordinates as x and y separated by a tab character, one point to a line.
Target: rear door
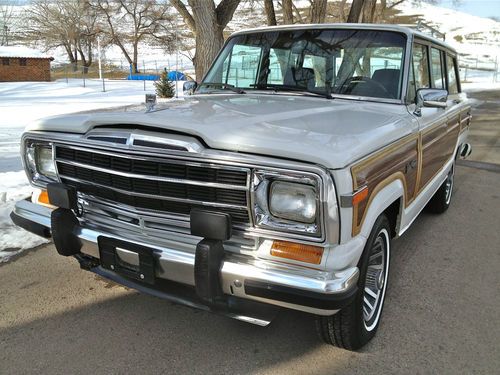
437	134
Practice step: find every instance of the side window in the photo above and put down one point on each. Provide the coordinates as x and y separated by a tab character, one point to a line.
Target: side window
437	69
452	75
419	71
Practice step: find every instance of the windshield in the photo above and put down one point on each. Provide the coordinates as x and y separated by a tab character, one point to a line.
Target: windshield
343	61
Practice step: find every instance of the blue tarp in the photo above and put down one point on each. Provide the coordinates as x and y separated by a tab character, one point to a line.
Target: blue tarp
143	77
180	76
154	77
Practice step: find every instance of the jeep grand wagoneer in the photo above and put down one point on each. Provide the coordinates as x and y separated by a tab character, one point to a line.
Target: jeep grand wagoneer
279	183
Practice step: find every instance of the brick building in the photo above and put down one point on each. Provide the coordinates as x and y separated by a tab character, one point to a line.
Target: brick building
23	64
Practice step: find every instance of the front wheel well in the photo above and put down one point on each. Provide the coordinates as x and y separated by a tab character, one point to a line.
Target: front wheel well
393	212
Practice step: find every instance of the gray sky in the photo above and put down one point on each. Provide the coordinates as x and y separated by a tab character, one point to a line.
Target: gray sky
481	8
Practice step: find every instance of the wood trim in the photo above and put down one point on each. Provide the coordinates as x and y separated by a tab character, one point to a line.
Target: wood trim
356	228
395	168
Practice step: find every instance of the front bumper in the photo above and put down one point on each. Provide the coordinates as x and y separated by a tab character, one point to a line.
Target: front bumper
241	277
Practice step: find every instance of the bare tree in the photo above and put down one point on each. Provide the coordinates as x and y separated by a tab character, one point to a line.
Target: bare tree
207	22
287	7
7	22
369	11
270	12
127	23
70	24
356	10
318	11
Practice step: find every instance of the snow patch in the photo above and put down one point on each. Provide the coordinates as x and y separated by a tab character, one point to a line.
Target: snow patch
21	51
14	186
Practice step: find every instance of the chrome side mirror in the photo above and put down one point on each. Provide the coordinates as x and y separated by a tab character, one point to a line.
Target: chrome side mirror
189	87
432	98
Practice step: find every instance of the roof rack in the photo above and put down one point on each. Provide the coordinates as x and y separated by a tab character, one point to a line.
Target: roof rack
427	29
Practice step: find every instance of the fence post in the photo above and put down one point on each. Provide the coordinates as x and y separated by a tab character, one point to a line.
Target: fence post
83	75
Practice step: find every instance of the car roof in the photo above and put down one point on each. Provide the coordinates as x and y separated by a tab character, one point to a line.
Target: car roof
408	31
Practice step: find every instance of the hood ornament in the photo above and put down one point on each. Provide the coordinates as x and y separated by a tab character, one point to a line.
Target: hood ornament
150	102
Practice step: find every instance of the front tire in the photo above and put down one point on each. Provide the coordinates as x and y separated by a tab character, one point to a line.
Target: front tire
356	324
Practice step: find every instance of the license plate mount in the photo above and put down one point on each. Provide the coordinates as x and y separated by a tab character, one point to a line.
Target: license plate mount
144	271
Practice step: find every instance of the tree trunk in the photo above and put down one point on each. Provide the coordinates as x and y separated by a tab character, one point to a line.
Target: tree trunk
135	58
355	12
287	12
342	11
209	37
270	13
318	11
369	8
207	22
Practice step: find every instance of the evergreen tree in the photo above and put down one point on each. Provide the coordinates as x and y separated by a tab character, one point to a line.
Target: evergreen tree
164	87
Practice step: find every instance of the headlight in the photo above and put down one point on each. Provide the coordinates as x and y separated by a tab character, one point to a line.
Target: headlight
287	202
292	201
44	161
39	161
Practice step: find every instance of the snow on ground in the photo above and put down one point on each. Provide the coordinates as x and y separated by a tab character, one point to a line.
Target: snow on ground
13	187
24	102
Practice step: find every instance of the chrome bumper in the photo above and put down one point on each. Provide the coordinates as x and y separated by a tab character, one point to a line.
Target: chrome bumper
294	287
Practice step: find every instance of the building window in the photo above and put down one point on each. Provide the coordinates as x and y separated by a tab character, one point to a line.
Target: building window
5	61
22	62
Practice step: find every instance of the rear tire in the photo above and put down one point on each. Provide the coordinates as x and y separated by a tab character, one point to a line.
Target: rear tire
441	200
356	324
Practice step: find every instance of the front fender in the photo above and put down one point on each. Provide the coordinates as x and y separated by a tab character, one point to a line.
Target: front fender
386	196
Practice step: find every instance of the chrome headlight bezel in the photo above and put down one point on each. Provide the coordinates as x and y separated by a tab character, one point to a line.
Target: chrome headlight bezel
263	216
39	162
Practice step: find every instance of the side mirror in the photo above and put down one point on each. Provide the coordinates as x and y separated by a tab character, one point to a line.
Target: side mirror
189	87
432	98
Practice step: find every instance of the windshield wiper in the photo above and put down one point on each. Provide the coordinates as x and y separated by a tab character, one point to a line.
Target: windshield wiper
224	86
276	88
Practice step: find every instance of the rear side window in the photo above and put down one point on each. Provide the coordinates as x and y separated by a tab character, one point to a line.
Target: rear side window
452	74
437	69
419	71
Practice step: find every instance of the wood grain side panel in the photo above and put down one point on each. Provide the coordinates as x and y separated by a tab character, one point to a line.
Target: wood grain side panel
438	145
465	118
398	161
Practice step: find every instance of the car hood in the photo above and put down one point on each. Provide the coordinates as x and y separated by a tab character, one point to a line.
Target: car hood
332	133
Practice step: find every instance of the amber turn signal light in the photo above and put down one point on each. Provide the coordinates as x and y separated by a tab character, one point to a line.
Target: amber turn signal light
297	251
360	196
43	197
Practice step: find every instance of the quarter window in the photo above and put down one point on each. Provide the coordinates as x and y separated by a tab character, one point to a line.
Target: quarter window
437	69
452	75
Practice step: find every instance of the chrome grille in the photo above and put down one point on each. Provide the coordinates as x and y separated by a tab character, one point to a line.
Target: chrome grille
172	186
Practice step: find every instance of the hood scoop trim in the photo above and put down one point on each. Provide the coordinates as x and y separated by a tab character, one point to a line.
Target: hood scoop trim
144	139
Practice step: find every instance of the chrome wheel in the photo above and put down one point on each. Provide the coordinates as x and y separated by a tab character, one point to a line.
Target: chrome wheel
376	277
449	186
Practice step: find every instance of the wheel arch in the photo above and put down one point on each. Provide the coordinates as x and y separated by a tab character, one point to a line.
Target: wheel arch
389	200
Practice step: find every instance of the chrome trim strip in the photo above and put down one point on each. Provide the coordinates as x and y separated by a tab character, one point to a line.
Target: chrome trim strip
153	196
151	177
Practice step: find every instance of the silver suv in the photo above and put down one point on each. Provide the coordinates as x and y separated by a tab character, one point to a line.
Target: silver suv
279	183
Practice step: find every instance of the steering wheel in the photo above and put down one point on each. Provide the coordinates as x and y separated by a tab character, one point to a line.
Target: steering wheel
364	84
